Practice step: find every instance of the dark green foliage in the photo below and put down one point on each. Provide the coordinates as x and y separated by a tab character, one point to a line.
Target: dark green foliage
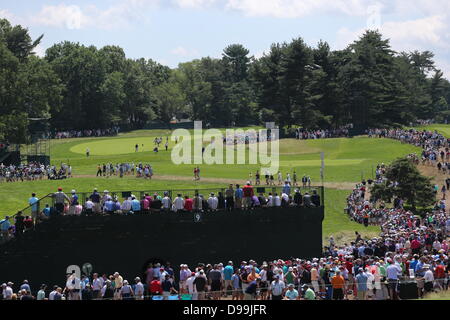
411	186
293	84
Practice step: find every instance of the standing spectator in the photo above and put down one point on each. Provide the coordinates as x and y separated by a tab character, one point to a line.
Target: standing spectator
393	271
238	194
227	274
215	281
248	195
167	287
138	289
19	224
34	203
229	198
118	283
338	284
200	284
155	287
361	281
41	293
5	224
126	292
7	291
277	288
60	200
428	278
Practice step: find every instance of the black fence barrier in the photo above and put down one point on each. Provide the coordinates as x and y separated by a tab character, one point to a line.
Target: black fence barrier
126	243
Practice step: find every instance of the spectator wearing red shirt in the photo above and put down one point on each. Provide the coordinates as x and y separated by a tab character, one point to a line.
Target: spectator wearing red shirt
415	246
188	204
248	195
155	287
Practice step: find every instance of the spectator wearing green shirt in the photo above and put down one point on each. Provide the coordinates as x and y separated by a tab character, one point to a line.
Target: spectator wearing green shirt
309	293
41	293
289	276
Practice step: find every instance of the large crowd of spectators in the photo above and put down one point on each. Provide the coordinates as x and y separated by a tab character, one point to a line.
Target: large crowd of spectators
34	171
85	133
302	134
408	249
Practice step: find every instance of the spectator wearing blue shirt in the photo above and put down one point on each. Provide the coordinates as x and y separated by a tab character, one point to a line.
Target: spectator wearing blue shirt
250	292
361	281
238	194
95	198
25	286
420	274
5	224
109	206
46	212
287	188
237	286
227	274
34	203
413	263
135	205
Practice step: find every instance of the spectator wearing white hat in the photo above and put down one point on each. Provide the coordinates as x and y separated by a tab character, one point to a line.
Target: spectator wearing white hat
277	288
126	292
138	289
73	202
7	291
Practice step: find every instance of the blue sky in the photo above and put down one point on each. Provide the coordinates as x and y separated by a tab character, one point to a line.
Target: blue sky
173	31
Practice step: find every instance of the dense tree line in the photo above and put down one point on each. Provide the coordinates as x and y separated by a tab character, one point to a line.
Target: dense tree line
293	84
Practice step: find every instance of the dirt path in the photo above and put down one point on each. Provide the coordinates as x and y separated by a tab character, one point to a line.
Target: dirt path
331	185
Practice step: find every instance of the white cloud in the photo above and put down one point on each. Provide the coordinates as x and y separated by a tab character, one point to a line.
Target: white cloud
297	8
119	15
5	14
184	52
420	34
193	3
70	17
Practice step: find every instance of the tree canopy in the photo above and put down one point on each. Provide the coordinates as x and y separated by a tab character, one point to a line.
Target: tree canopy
404	181
367	84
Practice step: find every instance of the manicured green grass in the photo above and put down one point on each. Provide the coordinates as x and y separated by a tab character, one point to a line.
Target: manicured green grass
443	129
337	223
346	160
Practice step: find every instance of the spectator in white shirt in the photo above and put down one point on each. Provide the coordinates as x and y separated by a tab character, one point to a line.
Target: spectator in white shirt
178	203
139	289
166	202
277	200
213	202
97	285
191	287
429	278
270	200
7	291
